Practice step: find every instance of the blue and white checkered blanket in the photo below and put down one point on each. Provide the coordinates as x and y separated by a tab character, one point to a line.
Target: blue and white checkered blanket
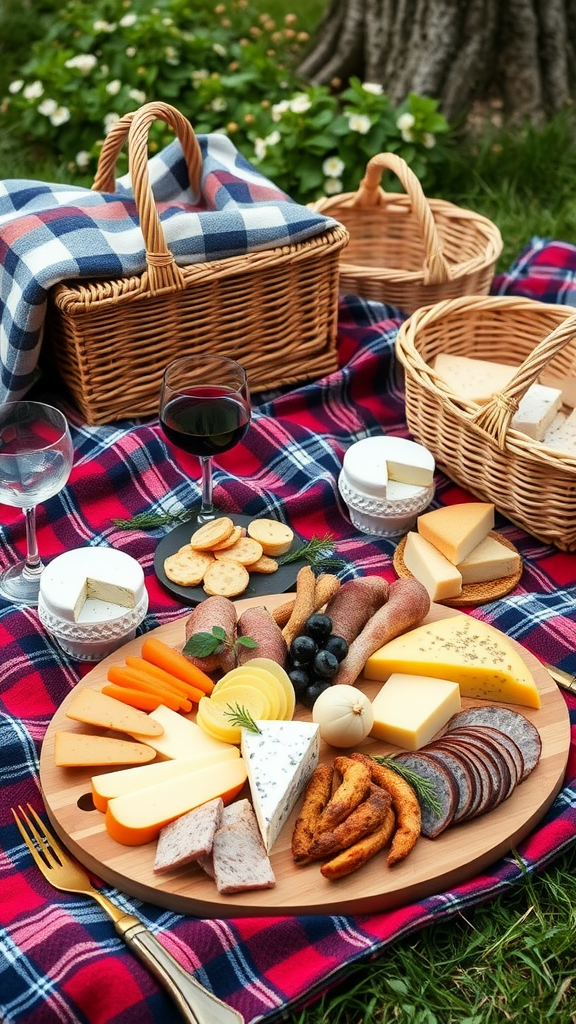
53	232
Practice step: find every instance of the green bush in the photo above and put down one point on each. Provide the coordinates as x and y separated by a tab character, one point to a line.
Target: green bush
229	69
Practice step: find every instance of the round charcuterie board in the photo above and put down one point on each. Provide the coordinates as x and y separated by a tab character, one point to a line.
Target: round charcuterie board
432	867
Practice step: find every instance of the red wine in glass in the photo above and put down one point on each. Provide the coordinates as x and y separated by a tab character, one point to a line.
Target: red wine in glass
205	410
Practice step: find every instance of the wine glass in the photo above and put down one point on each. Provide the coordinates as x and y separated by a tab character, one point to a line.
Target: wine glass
36	455
205	410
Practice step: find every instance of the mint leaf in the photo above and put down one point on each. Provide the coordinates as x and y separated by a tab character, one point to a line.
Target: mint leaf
220	632
201	645
246	641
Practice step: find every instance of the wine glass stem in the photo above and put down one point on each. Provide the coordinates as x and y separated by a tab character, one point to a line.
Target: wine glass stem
34	565
207	507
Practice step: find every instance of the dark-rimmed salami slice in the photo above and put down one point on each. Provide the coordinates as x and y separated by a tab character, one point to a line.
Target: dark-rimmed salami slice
514	724
434	821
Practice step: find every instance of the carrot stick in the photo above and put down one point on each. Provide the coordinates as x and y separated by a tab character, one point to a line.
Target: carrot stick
177	664
133	680
191	692
135	698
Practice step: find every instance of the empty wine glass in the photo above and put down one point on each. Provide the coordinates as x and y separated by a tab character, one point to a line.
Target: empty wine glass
205	410
36	455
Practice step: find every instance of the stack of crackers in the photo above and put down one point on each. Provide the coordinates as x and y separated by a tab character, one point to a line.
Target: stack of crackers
221	556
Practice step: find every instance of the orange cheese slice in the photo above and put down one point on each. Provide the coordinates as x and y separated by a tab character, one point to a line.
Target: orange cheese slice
96	708
76	750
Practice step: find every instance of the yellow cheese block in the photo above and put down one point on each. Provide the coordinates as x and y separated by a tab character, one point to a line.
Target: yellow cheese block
181	736
465	650
457	529
76	750
474	379
440	577
112	784
409	710
96	708
136	818
490	560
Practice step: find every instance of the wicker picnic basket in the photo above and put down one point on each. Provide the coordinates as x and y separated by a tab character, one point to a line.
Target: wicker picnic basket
532	484
274	311
407	250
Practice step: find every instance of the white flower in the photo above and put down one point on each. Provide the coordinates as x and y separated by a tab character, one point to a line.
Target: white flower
33	91
219	49
407	135
218	104
359	123
84	62
333	167
137	95
273	139
110	120
113	87
405	122
171	55
429	140
279	108
130	51
60	116
332	186
16	85
128	20
374	87
259	149
103	26
300	104
199	75
82	158
47	107
167	22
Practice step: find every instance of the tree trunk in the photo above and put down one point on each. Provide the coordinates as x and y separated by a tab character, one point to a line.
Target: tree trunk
522	52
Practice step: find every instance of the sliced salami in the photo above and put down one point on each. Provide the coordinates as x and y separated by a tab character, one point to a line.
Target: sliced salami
434	820
488	737
486	783
514	724
496	759
465	776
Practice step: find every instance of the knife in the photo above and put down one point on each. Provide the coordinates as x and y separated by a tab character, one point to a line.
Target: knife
565	680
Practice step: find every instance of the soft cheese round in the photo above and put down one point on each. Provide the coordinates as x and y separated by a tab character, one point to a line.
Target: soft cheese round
375	466
91	585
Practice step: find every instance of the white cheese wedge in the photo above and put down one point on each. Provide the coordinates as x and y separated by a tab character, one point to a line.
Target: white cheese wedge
464	650
181	736
410	709
490	560
537	410
371	464
561	433
457	529
440	577
91	584
474	379
279	760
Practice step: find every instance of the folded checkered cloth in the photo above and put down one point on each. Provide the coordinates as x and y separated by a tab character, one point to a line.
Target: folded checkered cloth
52	232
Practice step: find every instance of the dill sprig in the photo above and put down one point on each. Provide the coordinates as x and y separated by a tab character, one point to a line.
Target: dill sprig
422	787
154	520
240	716
318	551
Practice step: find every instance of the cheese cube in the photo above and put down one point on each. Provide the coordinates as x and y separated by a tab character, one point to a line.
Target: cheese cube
410	709
537	410
457	529
474	379
490	560
561	434
440	577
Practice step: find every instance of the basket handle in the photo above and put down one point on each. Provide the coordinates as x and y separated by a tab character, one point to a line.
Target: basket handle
163	271
370	194
495	417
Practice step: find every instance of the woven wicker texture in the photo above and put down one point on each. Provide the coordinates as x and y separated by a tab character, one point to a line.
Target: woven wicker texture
274	311
407	250
530	483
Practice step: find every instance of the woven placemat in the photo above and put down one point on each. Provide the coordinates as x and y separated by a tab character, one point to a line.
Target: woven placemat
472	593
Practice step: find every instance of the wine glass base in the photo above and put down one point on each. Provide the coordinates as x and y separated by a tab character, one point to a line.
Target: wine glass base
18	585
206	516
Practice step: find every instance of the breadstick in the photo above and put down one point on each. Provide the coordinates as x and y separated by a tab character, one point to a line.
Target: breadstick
303	605
404	802
327	586
282	613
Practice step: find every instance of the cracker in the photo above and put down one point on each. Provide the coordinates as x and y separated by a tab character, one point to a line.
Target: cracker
226	578
237	533
275	537
264	564
211	533
186	567
246	551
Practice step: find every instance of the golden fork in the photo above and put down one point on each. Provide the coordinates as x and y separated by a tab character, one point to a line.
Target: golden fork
196	1003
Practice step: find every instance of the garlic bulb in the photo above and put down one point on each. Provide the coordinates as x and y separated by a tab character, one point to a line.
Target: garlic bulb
344	714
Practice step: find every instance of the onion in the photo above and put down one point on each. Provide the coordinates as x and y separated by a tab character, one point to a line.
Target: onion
344	714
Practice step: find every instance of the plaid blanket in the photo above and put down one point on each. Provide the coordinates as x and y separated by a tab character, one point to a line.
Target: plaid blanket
61	958
51	233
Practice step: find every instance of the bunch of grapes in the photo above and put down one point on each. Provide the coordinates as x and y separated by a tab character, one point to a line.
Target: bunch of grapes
314	657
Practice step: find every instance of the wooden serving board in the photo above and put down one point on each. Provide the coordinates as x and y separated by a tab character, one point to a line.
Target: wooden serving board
432	867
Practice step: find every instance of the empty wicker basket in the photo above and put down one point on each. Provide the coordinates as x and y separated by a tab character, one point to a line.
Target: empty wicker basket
407	250
274	311
530	483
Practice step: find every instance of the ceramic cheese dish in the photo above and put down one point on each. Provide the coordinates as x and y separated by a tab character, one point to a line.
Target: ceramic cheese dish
92	600
386	483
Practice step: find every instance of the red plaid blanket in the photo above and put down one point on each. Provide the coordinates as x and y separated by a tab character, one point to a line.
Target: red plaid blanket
61	958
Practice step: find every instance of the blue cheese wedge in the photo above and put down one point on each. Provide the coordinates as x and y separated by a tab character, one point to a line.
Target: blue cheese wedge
279	760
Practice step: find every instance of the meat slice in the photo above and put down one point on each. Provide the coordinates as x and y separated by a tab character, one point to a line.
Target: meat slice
239	860
189	837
